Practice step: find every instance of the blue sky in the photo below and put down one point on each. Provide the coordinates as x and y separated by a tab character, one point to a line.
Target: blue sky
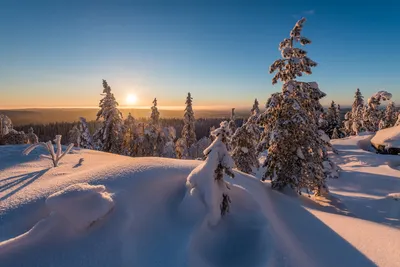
55	53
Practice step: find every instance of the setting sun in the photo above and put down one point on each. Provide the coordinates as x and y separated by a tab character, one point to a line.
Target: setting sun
131	99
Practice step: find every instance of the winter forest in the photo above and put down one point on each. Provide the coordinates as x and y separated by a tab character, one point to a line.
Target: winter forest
287	142
274	132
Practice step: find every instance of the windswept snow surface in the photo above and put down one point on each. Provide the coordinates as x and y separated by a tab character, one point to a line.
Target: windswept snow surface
100	209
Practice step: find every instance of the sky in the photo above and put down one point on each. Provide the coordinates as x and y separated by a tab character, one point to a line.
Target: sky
56	53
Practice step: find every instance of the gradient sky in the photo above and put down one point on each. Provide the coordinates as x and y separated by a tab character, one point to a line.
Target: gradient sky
55	53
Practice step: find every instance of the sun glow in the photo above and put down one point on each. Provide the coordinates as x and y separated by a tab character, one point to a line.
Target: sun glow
131	99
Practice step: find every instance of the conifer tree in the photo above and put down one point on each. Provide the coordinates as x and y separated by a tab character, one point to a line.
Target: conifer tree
232	124
335	134
208	177
243	148
153	132
181	149
355	118
32	137
332	117
5	125
155	114
86	138
371	113
130	136
188	130
109	135
255	110
390	115
295	155
75	136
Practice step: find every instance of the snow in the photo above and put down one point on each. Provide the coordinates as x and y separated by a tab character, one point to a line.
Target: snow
81	204
111	210
389	137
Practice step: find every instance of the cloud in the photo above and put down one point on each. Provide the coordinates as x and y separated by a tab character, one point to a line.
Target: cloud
309	12
304	13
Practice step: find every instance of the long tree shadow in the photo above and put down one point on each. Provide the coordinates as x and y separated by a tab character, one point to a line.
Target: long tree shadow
18	182
302	231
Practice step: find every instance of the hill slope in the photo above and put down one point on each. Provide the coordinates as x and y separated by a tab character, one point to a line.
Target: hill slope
135	212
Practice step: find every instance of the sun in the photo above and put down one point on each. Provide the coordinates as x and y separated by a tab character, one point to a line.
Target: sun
131	99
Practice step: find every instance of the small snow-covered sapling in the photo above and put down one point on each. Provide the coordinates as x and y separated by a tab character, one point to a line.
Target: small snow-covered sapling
54	156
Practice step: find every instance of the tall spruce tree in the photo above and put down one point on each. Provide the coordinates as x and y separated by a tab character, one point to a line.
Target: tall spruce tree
188	130
355	117
109	135
153	134
295	148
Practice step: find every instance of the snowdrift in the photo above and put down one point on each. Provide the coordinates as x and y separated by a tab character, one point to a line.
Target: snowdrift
110	210
388	138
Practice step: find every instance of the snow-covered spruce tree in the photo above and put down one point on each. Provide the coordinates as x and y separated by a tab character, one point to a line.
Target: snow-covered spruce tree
371	113
5	125
252	124
75	136
295	153
390	115
155	114
188	130
32	137
232	123
153	133
332	119
243	148
355	118
208	177
129	146
86	137
55	156
109	136
347	130
255	110
181	149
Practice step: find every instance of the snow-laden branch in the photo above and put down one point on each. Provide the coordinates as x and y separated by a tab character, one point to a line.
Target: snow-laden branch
55	156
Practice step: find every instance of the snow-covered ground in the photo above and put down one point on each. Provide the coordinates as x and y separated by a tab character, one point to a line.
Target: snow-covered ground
100	209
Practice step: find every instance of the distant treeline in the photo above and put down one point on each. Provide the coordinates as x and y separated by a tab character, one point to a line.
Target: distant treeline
52	115
46	132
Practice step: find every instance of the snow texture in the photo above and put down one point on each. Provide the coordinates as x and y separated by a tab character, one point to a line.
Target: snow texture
151	224
81	204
